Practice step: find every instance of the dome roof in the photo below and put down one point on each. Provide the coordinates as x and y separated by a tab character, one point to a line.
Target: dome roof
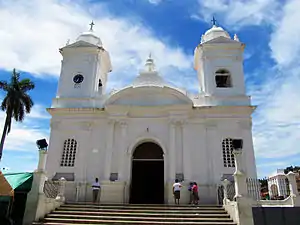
149	89
149	77
90	37
215	32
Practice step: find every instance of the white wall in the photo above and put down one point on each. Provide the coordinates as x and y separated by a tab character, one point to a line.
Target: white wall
221	56
198	145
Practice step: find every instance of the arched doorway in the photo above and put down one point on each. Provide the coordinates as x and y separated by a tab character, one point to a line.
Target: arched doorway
147	175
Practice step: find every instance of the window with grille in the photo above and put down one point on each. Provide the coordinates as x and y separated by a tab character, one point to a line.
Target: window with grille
228	157
69	153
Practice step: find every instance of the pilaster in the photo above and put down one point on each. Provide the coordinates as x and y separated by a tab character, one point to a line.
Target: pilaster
172	152
122	152
109	148
211	133
186	151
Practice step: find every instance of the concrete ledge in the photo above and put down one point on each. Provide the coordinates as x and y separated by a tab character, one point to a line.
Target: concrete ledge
112	192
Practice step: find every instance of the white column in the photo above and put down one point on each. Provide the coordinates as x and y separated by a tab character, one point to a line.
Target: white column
40	172
61	191
225	190
42	160
240	179
122	151
109	148
292	184
172	152
210	142
186	152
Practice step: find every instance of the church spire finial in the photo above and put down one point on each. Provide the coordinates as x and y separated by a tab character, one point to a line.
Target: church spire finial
91	24
150	66
236	38
214	21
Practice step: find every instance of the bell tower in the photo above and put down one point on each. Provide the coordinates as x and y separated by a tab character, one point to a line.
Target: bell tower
218	60
84	67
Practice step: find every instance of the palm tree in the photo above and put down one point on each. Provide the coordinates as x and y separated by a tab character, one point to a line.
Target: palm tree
16	102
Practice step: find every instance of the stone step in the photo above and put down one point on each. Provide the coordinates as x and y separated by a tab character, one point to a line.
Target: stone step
160	207
142	214
142	205
63	221
136	223
88	213
192	210
75	218
88	217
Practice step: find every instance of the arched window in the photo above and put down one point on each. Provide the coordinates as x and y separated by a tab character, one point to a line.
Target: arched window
223	79
228	157
69	153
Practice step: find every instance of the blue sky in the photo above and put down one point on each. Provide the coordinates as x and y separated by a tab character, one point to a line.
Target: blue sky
32	31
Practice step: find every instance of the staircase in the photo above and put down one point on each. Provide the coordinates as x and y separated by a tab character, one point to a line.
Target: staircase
85	213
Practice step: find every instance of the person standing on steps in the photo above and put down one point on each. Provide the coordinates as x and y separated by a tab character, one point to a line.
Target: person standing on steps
176	191
96	189
195	194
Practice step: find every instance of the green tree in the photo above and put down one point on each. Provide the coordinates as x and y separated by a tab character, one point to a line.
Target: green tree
291	168
16	102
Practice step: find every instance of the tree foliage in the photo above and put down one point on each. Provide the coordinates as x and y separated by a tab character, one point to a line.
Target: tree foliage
16	102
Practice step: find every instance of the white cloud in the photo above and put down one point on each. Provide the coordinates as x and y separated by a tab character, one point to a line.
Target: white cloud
284	42
23	136
277	121
155	2
237	13
36	30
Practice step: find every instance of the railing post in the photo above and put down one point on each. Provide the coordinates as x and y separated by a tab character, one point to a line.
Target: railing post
61	191
36	194
243	202
293	188
240	180
292	183
225	184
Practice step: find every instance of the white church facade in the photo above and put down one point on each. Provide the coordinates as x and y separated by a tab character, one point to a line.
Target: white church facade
138	139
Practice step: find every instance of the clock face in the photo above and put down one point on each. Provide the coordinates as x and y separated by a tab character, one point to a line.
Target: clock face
78	78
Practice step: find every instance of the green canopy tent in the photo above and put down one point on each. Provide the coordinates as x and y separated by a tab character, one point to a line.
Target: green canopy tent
6	197
20	182
15	202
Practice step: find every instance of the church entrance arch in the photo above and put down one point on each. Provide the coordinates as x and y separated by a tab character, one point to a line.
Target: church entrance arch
147	175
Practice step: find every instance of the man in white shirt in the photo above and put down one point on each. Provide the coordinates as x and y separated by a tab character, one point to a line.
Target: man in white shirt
176	191
96	188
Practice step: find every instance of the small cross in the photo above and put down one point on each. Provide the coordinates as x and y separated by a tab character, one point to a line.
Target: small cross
91	24
214	21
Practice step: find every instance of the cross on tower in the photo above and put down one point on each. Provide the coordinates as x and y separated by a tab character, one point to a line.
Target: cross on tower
214	21
91	24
